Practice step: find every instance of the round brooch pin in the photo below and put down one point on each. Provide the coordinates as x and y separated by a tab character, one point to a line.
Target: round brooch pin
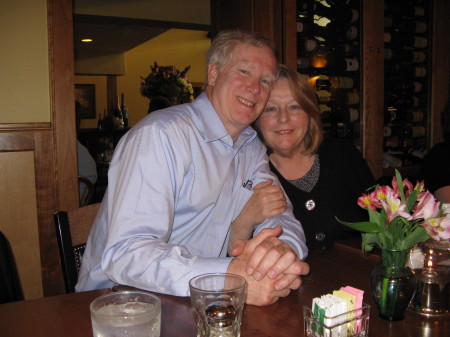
310	205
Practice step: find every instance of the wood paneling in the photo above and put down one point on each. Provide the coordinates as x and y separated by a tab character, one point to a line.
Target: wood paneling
40	142
19	222
53	144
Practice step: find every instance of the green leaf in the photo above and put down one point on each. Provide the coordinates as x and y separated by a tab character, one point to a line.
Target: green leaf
411	200
396	228
369	240
366	226
419	234
400	185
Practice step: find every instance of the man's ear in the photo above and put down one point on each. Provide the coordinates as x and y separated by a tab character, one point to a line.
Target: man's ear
213	71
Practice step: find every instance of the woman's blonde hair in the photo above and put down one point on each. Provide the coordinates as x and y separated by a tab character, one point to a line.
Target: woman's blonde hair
303	93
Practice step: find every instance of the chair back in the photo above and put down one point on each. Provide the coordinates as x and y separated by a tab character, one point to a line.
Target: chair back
87	191
72	231
10	289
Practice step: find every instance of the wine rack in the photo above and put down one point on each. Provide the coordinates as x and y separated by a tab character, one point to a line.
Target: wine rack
328	51
407	45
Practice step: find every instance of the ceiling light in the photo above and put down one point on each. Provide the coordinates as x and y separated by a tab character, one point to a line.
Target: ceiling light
86	40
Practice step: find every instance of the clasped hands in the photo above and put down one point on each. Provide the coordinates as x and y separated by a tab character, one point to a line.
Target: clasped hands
270	266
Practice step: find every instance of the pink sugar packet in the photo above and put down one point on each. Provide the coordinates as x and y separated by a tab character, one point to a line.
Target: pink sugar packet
359	294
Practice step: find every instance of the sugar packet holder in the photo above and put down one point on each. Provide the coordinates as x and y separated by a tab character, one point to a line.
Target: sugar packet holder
338	326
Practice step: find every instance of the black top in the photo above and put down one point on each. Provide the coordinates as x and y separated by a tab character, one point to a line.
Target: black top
344	176
435	171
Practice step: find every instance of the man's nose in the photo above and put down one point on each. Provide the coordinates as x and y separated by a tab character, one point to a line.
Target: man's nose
254	86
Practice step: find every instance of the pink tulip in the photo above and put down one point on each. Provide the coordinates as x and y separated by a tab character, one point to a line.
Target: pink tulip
407	186
427	207
438	228
394	207
366	201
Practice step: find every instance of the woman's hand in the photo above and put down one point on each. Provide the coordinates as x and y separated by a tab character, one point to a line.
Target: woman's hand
266	202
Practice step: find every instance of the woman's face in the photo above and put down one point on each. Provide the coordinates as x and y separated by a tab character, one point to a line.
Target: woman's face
283	122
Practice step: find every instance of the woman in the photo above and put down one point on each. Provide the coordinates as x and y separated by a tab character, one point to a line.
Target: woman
435	170
323	178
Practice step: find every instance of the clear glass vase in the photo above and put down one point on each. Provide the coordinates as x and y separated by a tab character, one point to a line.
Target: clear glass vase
430	262
393	284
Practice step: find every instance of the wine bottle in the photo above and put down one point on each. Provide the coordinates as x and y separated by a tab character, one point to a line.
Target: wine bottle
338	64
405	70
351	33
345	114
322	83
100	122
403	85
307	45
323	96
123	107
409	131
401	9
341	82
302	62
343	98
392	54
342	13
117	113
399	116
408	40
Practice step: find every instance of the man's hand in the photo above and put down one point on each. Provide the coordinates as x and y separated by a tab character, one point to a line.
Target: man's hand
269	265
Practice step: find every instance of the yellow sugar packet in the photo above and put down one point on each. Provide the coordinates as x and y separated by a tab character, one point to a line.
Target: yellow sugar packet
350	301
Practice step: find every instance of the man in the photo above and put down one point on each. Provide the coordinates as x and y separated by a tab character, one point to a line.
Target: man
182	175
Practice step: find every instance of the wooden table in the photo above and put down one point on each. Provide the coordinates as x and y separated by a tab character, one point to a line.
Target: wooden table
68	315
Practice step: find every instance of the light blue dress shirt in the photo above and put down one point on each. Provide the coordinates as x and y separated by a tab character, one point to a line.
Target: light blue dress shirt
175	185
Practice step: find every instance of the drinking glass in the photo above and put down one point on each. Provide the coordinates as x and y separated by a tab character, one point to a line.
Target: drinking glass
218	301
126	313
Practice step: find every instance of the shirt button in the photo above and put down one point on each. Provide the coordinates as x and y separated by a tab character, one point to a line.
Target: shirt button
320	236
210	248
310	205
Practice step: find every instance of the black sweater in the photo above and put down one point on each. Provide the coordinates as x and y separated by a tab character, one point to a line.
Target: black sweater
344	176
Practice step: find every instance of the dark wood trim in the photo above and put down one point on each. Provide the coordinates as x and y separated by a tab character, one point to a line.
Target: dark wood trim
61	152
372	85
289	20
440	64
127	22
25	126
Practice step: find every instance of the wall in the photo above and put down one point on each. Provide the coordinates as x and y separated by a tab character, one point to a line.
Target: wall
25	100
24	62
176	47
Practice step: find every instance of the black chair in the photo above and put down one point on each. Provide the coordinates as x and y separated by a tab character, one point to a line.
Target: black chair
87	191
10	289
72	231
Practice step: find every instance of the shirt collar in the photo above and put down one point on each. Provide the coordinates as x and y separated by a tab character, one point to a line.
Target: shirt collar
212	127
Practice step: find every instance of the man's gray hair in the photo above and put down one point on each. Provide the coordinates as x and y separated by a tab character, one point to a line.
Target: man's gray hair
223	45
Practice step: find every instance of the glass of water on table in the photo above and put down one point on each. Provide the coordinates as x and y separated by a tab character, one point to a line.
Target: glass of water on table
126	313
218	301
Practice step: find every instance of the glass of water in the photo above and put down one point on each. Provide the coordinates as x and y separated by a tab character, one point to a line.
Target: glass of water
218	301
126	313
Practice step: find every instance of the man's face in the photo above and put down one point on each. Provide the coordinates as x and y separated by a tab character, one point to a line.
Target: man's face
239	91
